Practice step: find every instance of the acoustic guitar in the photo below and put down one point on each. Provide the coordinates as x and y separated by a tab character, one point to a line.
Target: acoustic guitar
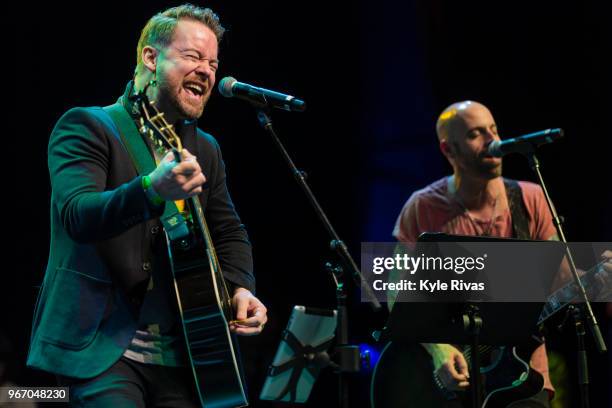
203	299
404	376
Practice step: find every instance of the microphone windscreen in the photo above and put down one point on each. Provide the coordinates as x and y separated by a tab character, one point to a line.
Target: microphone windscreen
225	86
494	149
558	132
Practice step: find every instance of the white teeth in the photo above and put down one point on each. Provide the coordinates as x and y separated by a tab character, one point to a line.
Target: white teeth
195	88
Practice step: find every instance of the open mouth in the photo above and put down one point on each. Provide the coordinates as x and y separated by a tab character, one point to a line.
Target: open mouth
195	89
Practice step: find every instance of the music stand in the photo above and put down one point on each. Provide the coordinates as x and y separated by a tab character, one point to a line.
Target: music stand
300	356
470	322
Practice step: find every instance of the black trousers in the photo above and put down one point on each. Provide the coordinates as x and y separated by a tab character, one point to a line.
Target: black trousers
131	384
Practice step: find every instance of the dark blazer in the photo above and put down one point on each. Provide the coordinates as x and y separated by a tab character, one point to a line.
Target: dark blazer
102	227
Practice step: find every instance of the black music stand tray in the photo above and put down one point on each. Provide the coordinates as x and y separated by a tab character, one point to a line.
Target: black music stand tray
467	322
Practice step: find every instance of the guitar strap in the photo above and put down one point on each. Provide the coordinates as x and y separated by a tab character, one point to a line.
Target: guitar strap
518	211
172	220
520	225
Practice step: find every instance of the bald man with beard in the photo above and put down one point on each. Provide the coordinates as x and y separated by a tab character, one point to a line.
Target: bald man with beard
474	201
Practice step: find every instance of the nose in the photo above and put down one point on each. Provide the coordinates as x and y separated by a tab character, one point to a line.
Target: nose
491	135
205	69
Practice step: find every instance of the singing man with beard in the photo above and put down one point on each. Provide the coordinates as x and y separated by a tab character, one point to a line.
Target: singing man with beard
475	200
106	321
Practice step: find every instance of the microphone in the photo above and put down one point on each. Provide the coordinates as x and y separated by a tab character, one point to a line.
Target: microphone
498	148
231	88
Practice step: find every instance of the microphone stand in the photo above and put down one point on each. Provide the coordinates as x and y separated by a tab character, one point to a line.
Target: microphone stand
580	311
348	355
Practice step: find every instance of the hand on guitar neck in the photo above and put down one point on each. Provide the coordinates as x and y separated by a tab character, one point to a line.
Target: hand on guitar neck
604	276
177	181
450	366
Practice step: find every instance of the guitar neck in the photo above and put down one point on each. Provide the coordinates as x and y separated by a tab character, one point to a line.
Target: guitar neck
201	220
567	293
198	213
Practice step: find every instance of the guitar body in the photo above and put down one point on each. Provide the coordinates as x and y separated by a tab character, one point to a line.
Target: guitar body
510	379
205	310
404	378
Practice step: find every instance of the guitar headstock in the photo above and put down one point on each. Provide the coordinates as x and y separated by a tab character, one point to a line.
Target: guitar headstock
153	123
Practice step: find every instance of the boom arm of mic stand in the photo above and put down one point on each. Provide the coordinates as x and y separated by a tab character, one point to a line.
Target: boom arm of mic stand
336	243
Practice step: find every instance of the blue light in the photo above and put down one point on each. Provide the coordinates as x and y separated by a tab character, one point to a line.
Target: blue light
373	353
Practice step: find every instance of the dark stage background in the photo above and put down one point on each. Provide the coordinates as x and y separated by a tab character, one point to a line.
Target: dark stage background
375	76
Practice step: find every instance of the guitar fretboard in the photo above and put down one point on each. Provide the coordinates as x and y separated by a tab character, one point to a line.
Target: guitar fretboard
568	293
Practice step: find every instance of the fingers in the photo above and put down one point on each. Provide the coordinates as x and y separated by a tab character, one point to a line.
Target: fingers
452	381
246	331
187	156
169	157
177	181
257	318
249	326
454	373
461	365
187	167
607	256
188	174
194	184
241	305
251	314
463	373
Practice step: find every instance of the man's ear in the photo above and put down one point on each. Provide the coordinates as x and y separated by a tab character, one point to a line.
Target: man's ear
149	58
447	149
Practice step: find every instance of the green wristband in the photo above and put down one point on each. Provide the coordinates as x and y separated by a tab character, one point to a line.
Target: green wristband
150	192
